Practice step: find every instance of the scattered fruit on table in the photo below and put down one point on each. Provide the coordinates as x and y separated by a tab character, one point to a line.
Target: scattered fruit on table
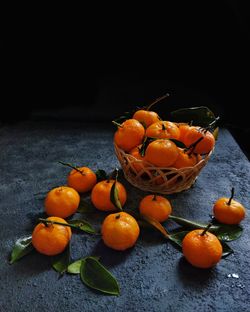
149	140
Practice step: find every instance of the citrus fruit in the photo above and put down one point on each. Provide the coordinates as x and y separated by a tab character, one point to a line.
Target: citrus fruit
140	164
120	231
129	134
228	210
156	207
82	180
185	159
100	195
146	118
205	145
62	202
201	250
51	239
161	153
184	128
163	130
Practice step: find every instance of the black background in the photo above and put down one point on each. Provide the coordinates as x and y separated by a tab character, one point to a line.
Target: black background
95	64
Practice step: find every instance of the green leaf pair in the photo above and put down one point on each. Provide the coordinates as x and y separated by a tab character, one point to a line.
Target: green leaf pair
95	275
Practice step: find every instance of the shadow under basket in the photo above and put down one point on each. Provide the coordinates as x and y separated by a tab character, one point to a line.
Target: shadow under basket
147	177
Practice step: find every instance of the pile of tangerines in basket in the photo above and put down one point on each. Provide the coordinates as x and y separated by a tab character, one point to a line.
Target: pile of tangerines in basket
164	136
203	245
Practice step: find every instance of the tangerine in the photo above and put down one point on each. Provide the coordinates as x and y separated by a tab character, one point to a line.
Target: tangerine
184	128
120	231
129	134
163	130
81	179
62	201
140	164
156	207
205	145
100	195
161	153
51	239
201	248
146	117
228	210
185	159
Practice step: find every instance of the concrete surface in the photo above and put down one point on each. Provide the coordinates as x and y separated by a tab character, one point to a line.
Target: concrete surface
153	276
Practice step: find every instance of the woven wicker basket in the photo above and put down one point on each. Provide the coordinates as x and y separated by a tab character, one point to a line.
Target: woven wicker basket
155	179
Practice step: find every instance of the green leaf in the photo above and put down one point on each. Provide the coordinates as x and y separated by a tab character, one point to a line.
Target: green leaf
200	116
178	143
189	224
216	133
178	237
125	116
224	232
82	225
60	263
145	144
96	276
226	250
114	197
75	267
85	207
228	233
101	175
22	247
156	225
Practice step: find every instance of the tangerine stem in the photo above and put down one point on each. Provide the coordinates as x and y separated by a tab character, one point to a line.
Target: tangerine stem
71	166
232	195
157	100
211	124
193	145
114	174
206	229
154	198
45	221
117	124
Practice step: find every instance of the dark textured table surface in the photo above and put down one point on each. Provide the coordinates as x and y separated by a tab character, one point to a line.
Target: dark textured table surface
153	276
